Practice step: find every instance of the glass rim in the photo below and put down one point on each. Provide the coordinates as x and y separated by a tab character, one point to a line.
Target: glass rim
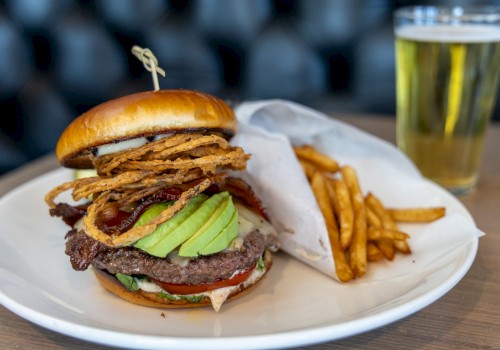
444	14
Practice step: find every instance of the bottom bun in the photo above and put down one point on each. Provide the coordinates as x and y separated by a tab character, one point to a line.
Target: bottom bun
140	297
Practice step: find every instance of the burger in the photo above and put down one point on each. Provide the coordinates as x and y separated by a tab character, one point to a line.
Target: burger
157	210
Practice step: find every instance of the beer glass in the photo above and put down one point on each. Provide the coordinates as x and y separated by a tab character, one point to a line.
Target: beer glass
447	72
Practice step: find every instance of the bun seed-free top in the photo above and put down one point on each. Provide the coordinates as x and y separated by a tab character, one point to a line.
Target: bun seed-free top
144	114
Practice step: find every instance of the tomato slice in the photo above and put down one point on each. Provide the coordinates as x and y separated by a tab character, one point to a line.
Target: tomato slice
184	289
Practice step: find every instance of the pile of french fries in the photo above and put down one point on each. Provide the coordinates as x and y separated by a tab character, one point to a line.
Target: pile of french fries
360	228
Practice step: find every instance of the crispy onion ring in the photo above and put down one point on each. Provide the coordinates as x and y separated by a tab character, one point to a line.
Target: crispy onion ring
171	160
196	143
127	176
167	148
207	163
105	164
56	191
109	184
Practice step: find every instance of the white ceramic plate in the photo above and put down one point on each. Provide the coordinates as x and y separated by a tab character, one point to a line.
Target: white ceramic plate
295	305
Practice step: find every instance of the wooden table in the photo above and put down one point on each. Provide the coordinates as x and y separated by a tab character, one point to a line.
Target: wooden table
468	317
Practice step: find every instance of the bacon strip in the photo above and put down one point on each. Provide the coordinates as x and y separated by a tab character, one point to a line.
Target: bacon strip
136	232
241	190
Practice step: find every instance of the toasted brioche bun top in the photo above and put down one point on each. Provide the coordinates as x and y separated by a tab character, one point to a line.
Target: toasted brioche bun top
142	115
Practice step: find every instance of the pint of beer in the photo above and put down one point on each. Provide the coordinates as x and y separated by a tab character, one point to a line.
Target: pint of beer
447	69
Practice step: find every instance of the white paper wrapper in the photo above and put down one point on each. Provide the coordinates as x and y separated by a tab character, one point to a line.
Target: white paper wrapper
267	130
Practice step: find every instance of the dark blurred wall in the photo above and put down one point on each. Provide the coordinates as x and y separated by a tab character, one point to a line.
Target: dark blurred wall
58	58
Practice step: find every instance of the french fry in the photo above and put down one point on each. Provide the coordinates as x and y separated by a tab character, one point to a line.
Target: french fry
308	168
402	247
387	221
377	215
322	161
387	248
417	214
360	228
371	218
318	186
342	205
376	233
333	198
373	253
376	205
357	249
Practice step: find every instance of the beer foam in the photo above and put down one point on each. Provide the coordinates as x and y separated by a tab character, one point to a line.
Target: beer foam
450	33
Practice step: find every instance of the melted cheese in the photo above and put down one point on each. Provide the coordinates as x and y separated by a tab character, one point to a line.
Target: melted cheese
235	244
248	221
149	286
161	136
78	225
127	144
219	296
121	146
176	259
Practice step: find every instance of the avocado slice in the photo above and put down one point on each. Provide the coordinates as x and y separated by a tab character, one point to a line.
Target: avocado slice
210	229
222	240
152	212
173	238
168	226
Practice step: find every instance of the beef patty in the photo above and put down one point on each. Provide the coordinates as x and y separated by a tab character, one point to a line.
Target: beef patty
84	250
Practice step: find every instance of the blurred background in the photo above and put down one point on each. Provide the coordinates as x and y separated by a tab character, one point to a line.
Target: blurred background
58	58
